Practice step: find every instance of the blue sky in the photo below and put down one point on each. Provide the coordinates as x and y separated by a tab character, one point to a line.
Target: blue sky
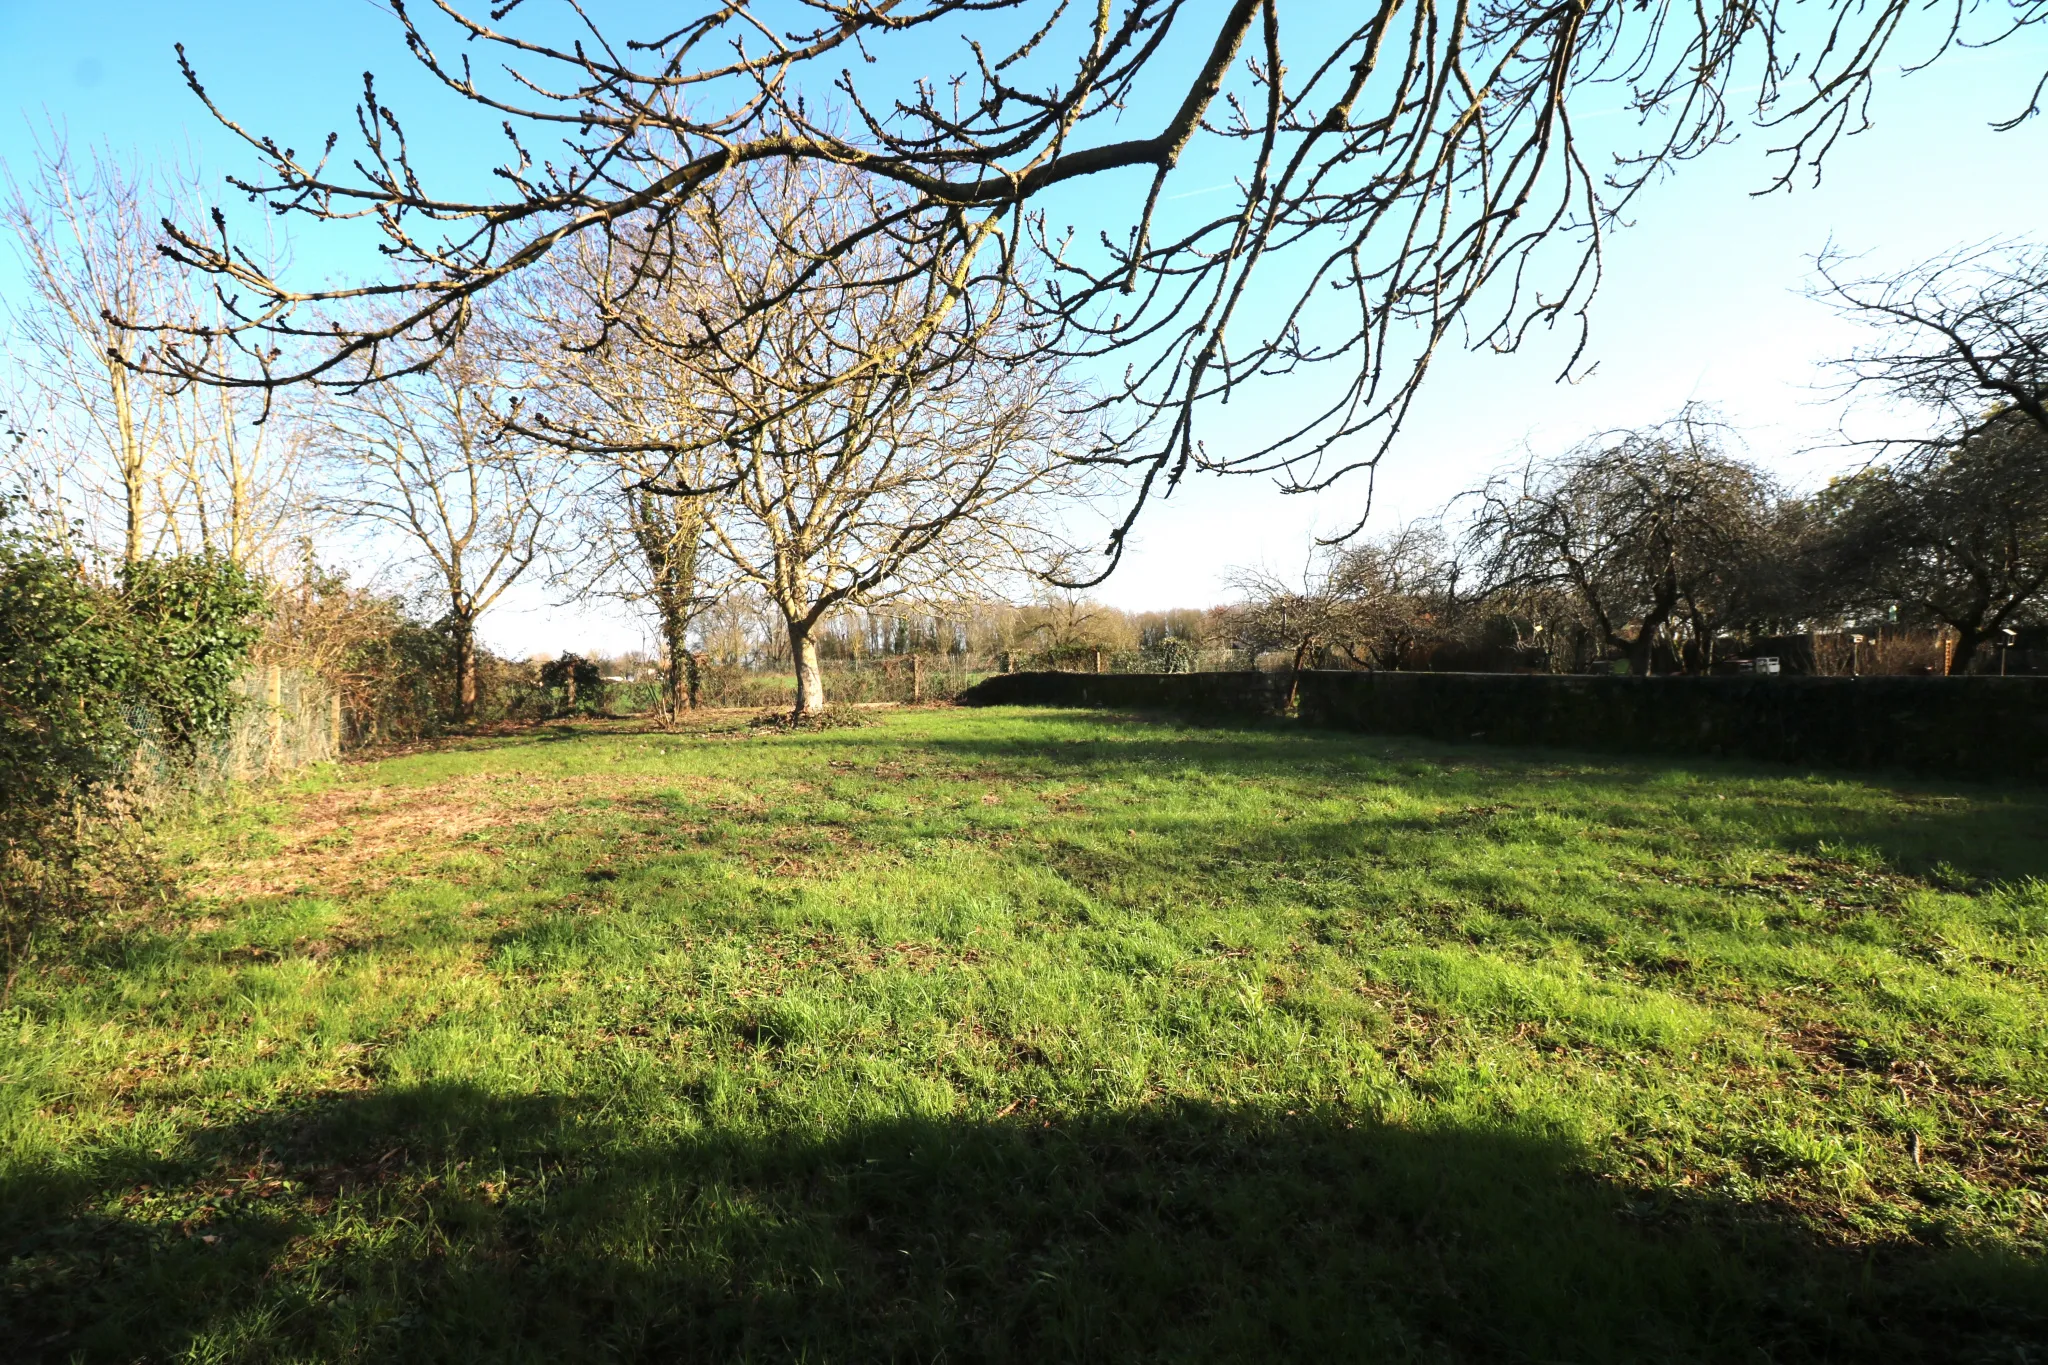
1702	301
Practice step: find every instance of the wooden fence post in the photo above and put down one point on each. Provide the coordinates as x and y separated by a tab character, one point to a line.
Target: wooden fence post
334	725
1098	661
274	696
917	677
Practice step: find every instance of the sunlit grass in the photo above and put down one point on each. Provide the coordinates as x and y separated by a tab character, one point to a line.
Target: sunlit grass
1022	1033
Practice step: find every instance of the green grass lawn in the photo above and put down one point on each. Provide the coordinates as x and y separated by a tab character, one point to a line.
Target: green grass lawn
1016	1035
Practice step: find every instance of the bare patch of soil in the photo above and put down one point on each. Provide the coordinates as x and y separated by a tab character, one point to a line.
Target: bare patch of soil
362	838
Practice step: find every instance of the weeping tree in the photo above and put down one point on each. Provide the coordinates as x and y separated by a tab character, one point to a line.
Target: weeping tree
1192	197
1406	589
1306	619
1950	526
1952	533
1650	533
1962	337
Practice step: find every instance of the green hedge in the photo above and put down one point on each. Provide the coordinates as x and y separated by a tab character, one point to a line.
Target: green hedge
1970	726
1241	693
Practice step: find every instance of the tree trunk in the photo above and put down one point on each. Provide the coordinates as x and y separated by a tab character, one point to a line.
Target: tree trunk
810	679
1967	640
672	685
1301	653
240	514
465	670
693	677
131	456
1637	651
1643	649
679	681
667	529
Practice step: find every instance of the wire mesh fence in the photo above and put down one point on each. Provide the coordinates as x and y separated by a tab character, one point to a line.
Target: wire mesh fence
847	682
1165	660
284	720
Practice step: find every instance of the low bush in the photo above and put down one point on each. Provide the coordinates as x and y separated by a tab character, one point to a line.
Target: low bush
73	860
574	686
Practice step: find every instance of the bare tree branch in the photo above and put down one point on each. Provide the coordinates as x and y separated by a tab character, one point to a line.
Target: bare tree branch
1418	167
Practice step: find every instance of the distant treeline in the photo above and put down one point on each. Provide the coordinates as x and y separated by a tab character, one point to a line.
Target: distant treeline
1656	551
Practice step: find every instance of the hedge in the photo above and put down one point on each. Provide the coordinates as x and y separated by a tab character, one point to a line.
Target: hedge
1968	726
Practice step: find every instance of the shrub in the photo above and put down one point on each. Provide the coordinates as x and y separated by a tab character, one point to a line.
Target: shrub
68	674
193	620
67	862
84	670
578	686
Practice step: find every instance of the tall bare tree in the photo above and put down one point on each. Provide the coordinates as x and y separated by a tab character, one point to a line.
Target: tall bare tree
121	451
1388	178
603	383
866	445
240	480
429	458
86	238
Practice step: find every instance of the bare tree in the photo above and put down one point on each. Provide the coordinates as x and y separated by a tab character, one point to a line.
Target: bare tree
1955	533
132	458
1307	620
1646	530
871	447
740	627
1956	528
1964	336
1419	170
240	480
87	245
615	396
1404	591
429	458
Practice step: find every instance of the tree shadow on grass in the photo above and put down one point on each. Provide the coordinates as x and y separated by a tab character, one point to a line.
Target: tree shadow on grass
442	1222
1986	832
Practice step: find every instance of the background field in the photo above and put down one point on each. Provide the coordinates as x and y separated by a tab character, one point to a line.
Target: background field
1004	1034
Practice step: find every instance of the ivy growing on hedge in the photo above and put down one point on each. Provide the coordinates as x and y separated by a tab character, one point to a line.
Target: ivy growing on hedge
81	662
85	669
67	674
193	620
